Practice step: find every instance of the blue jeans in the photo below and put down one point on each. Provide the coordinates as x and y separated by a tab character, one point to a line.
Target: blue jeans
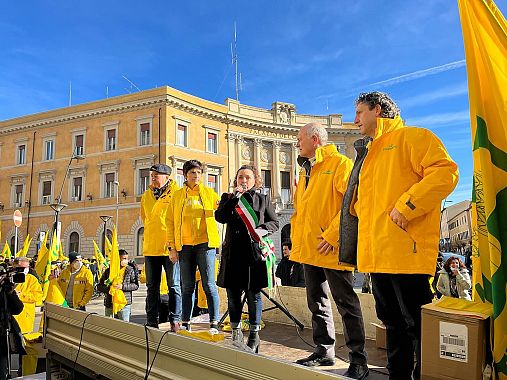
191	257
123	314
153	267
235	305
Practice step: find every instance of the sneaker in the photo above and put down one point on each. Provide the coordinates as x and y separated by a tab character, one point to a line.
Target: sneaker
185	326
213	331
315	360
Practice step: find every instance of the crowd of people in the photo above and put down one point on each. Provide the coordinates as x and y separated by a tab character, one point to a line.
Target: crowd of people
379	214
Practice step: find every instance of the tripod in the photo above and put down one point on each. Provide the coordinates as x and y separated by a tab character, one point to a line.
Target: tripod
277	306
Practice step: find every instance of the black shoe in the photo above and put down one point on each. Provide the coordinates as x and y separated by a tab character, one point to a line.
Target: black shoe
315	360
254	341
357	371
152	324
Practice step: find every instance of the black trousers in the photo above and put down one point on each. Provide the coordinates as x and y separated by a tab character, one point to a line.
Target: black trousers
398	301
319	282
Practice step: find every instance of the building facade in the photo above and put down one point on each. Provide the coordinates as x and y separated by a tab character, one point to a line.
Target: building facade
96	158
456	227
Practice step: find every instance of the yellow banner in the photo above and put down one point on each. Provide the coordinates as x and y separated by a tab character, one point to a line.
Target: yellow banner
485	39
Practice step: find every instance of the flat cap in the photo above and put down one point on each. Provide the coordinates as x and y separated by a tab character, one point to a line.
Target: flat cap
161	169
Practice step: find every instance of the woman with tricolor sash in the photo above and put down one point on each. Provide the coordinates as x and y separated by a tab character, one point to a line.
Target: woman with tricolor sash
249	216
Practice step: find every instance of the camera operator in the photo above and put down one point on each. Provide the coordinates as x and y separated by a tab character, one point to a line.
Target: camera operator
10	305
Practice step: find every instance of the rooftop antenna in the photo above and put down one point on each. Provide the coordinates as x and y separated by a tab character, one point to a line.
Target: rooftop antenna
234	55
132	84
107	92
70	93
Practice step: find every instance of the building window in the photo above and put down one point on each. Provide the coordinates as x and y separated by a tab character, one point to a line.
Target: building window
144	134
79	145
77	189
212	142
46	193
49	150
18	195
266	181
111	139
140	239
74	242
144	180
180	178
213	182
21	155
285	176
109	185
182	135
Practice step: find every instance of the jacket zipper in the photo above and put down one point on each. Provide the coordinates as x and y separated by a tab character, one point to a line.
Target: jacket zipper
415	247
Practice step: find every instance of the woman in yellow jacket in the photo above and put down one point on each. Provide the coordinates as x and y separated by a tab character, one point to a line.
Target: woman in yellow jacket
30	293
192	236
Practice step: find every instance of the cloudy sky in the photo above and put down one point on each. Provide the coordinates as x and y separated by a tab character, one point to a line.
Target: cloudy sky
315	54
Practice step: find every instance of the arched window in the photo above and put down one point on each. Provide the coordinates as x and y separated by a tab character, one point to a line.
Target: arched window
74	242
140	239
13	252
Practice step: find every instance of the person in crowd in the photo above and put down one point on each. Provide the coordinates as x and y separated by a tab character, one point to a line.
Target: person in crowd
314	235
155	204
405	174
129	284
241	270
192	238
30	293
76	282
288	272
454	280
163	310
13	306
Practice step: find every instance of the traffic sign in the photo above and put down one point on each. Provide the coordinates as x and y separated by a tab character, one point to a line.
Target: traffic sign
18	218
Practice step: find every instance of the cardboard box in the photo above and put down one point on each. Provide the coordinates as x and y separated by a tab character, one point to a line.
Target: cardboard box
453	343
380	335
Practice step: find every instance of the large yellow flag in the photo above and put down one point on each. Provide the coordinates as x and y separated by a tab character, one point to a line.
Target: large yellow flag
108	249
26	245
43	266
6	252
100	259
116	276
485	38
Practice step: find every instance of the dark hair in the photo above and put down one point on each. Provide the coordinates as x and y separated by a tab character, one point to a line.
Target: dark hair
190	164
388	107
447	265
255	171
287	244
122	252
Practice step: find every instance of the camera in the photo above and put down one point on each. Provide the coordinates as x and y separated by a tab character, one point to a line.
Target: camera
10	275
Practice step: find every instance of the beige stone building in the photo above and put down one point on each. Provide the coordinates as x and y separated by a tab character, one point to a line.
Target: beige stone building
456	227
97	155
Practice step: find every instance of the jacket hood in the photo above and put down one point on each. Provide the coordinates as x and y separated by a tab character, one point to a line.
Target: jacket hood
324	151
385	125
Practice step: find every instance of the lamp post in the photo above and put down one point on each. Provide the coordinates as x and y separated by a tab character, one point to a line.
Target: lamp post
58	206
117	191
446	220
105	219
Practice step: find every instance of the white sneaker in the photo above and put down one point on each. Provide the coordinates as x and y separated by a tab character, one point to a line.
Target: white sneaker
213	331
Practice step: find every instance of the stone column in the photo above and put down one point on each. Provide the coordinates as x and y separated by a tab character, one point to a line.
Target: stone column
294	168
204	179
173	166
257	154
239	143
277	189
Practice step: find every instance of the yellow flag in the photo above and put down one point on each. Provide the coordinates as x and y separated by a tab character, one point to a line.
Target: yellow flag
6	252
485	38
116	276
108	249
26	245
43	265
98	256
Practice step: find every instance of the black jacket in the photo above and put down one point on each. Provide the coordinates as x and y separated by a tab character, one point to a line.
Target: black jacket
238	270
130	284
290	273
10	306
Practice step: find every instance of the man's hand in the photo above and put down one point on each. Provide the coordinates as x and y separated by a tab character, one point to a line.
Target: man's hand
398	218
118	286
324	247
173	256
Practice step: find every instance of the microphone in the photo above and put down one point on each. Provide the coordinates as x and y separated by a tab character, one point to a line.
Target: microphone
238	194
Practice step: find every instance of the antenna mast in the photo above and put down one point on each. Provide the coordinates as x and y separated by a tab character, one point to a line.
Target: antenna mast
234	54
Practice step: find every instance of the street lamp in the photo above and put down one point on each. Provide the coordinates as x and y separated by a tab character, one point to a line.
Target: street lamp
105	219
58	205
446	220
117	184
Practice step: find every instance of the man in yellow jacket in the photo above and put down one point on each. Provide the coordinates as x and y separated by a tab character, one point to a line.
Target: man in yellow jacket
314	234
405	175
155	204
76	282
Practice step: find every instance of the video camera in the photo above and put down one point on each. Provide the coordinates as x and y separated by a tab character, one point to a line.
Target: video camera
10	275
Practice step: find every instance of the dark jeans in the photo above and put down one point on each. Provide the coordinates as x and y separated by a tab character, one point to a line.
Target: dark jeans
153	267
398	301
3	361
319	281
235	306
191	257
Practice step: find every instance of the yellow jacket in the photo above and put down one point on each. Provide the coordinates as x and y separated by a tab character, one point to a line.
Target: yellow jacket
209	200
30	293
83	286
317	209
407	168
154	216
